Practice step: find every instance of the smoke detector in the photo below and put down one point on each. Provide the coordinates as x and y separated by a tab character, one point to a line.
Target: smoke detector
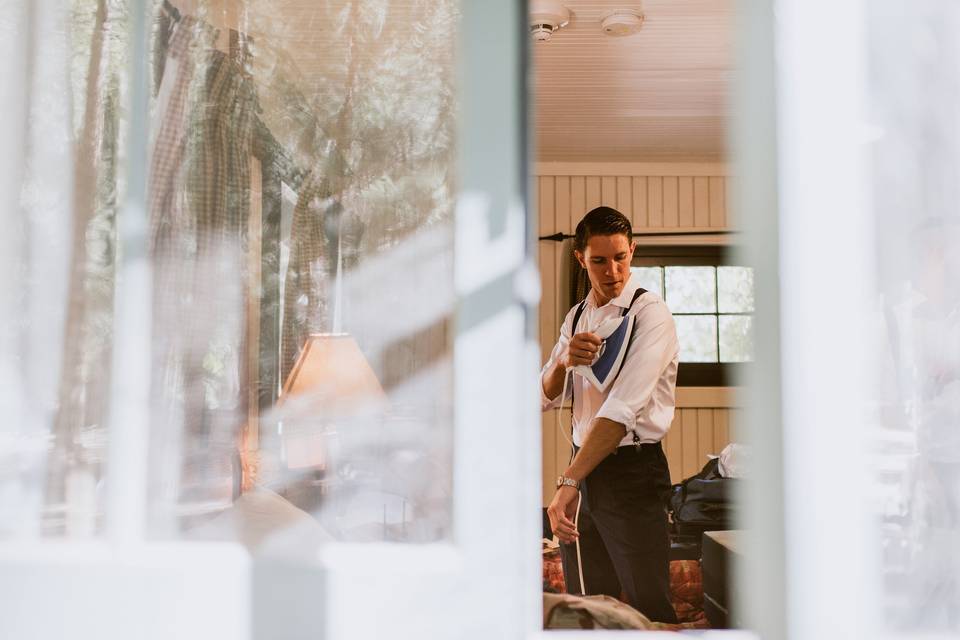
622	22
546	16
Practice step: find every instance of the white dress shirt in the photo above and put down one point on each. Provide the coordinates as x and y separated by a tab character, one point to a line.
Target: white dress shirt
642	398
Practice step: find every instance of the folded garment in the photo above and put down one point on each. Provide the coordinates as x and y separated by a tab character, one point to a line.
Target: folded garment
735	461
686	594
565	611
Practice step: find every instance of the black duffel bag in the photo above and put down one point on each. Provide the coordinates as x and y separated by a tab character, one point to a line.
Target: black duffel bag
703	502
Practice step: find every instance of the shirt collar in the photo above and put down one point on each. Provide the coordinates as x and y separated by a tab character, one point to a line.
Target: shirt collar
624	299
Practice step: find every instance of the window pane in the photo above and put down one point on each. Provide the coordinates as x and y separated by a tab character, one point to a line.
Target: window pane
698	338
736	338
650	278
691	289
300	233
915	390
735	293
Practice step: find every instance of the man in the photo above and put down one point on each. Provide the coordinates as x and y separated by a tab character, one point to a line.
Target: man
619	468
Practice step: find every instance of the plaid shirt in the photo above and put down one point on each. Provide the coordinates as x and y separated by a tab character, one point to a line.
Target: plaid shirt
199	211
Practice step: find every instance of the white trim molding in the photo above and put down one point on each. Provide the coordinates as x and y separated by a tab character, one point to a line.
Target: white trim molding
631	169
709	397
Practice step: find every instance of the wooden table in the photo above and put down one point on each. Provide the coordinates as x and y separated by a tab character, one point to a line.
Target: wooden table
720	551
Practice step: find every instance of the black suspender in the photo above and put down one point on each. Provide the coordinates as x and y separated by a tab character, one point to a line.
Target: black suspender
573	331
576	317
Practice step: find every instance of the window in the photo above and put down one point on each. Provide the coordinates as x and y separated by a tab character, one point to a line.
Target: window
712	304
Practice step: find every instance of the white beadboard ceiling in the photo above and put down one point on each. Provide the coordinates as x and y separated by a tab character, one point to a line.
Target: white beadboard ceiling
658	95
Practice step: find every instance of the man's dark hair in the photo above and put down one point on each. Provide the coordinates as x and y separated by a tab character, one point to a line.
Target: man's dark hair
602	221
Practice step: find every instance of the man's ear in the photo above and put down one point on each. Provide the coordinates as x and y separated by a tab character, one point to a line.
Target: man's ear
633	247
579	256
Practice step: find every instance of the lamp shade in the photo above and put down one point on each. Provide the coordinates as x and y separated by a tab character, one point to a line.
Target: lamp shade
332	371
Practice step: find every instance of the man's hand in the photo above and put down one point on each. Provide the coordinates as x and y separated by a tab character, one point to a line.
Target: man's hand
583	349
562	511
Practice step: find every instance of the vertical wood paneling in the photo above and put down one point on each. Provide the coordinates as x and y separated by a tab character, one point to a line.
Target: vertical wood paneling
721	431
671	193
654	202
593	192
639	184
546	208
578	198
705	435
733	423
718	202
673	448
686	201
565	223
693	435
549	455
701	202
625	196
548	320
608	191
690	454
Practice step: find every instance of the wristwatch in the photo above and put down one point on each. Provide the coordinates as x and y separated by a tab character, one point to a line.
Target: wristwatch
568	482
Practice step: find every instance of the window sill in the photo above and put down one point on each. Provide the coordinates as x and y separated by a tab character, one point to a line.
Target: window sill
709	397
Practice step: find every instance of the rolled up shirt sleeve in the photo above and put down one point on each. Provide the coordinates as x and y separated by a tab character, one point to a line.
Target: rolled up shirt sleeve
558	353
653	348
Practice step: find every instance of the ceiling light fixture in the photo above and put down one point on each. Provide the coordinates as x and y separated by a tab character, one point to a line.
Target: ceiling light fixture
622	22
546	17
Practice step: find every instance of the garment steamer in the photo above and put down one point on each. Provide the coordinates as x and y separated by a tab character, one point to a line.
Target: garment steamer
576	516
615	334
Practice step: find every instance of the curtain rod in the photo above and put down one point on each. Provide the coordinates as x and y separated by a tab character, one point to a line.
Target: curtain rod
560	237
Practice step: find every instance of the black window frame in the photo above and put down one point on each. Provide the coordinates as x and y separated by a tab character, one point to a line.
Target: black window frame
696	374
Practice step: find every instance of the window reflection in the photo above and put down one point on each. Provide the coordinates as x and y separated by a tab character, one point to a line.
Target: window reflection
301	188
916	398
354	123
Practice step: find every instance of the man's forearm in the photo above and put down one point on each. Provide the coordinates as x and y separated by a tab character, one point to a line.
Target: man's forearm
602	440
553	381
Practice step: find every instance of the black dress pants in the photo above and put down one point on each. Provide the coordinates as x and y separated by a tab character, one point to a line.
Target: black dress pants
624	541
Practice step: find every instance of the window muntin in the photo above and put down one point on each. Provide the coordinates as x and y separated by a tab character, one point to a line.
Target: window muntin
712	306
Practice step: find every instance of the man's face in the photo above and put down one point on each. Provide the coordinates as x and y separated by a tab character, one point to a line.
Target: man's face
607	261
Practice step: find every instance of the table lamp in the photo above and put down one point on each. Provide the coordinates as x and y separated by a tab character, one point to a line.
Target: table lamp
330	377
